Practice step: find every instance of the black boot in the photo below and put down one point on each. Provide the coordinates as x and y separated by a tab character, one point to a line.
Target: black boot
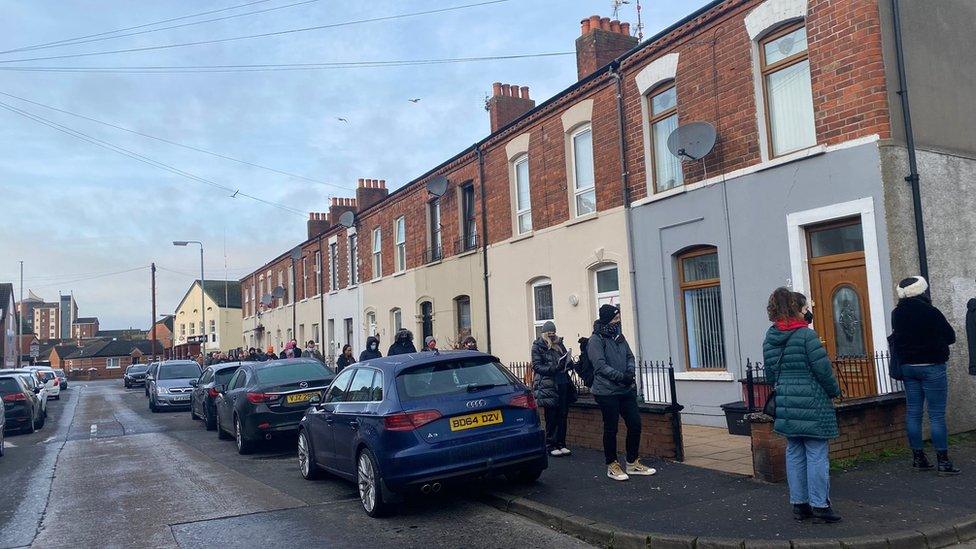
946	469
802	511
825	515
920	462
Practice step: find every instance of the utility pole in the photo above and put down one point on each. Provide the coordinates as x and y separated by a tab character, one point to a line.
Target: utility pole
20	320
152	269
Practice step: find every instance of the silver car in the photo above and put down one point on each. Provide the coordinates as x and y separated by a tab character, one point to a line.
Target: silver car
169	387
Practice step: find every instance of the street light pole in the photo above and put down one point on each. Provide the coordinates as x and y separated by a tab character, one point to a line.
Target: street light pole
20	321
203	308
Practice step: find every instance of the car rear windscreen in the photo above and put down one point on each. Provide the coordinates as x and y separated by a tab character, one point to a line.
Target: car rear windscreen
45	376
137	369
451	377
9	385
179	371
283	374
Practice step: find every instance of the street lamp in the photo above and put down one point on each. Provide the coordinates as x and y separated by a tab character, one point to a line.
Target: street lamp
203	308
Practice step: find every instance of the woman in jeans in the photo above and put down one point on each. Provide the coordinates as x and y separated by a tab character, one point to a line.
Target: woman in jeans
798	367
920	340
615	393
551	386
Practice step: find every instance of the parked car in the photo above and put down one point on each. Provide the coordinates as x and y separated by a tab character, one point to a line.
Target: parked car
412	422
170	385
63	377
33	383
47	376
3	425
264	400
205	392
135	375
21	404
150	372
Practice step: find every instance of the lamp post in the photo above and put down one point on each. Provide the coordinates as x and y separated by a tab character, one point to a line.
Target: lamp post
203	308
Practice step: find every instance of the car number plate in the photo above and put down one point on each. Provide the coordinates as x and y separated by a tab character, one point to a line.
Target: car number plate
473	421
300	397
181	399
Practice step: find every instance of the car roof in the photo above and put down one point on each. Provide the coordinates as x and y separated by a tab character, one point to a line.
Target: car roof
397	363
270	363
167	362
226	366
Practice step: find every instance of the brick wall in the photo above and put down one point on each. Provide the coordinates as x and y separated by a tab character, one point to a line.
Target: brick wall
585	429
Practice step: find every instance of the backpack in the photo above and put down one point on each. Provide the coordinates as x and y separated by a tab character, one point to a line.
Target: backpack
583	366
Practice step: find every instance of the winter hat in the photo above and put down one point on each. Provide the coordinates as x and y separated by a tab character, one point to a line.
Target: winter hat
912	286
428	340
549	326
607	312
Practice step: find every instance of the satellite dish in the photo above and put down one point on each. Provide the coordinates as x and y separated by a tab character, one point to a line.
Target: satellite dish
296	253
278	292
266	300
437	186
347	219
692	141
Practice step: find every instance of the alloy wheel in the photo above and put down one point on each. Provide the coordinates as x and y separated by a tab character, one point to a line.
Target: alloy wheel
303	454
367	482
237	433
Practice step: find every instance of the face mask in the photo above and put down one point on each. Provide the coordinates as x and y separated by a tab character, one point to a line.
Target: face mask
808	317
372	347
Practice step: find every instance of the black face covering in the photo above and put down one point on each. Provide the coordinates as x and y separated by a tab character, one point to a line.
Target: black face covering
808	317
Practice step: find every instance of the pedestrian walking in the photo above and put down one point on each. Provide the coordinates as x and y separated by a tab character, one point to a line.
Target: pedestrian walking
402	343
803	378
551	386
919	341
372	349
614	370
345	359
469	343
312	351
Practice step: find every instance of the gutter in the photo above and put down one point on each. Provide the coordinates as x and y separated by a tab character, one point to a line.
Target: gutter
913	177
484	244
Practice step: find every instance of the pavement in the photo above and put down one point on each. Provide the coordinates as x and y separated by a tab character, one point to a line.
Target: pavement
682	505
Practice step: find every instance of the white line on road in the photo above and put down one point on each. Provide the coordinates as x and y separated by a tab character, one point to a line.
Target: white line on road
49	439
94	430
8	444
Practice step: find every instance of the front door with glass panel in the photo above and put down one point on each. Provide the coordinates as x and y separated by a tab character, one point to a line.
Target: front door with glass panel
841	312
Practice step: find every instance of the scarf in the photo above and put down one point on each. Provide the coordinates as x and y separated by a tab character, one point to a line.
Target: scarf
790	324
610	330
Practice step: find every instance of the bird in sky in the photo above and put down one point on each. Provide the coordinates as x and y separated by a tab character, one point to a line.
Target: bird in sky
341	119
414	100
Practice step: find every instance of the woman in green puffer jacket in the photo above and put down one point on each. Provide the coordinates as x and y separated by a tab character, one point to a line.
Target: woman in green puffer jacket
800	371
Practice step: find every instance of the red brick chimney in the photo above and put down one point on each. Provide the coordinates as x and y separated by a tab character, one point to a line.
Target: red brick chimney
340	206
369	192
601	41
507	103
318	223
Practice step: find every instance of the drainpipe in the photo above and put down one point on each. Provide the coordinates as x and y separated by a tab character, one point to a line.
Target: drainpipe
322	293
624	176
484	244
913	177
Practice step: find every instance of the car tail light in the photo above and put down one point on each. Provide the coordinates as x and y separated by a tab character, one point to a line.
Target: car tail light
264	425
14	397
261	398
525	400
212	392
408	421
57	381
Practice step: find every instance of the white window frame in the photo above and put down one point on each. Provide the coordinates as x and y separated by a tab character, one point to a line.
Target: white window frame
576	190
333	266
526	210
377	253
370	323
304	277
535	322
318	272
352	243
653	120
290	296
113	363
613	296
396	320
400	246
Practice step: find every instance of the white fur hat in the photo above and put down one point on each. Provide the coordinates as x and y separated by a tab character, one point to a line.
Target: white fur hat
912	286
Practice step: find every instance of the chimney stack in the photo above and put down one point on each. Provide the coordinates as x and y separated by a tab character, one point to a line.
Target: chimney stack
369	192
340	206
507	103
601	41
318	223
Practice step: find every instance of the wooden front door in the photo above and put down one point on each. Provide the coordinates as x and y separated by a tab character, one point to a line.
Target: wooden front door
841	312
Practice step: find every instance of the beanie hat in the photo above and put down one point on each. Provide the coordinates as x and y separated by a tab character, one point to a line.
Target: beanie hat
429	339
912	286
548	326
607	312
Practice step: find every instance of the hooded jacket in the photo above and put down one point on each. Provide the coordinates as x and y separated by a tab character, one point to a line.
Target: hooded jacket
613	363
971	334
547	372
920	332
372	349
403	344
804	382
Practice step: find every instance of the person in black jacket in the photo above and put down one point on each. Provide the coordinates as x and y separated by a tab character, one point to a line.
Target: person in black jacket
402	343
971	334
920	340
345	359
551	386
372	349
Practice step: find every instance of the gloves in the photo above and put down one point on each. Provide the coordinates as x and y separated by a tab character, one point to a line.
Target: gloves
629	378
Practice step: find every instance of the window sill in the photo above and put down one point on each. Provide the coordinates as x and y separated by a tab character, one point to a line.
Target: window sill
681	189
432	263
351	286
713	375
334	292
523	236
582	219
472	251
399	273
303	300
792	157
375	280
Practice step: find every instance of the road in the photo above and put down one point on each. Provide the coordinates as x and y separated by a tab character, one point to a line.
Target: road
105	472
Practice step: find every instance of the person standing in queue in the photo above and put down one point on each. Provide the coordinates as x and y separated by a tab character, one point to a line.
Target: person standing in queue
469	343
402	343
345	359
372	349
551	386
614	371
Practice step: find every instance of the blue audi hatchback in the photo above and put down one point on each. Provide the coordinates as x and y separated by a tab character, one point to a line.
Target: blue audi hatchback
412	422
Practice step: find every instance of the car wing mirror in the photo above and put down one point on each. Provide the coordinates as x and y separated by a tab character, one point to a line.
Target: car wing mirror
37	390
193	383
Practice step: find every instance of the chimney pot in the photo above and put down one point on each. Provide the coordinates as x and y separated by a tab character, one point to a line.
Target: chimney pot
507	89
625	28
496	89
382	183
594	22
605	23
361	181
615	26
584	26
525	92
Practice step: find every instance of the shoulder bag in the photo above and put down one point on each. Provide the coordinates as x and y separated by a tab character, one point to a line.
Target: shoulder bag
770	407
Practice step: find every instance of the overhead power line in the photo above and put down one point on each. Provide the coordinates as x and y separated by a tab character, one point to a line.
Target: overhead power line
274	67
87	278
147	31
144	159
142	26
174	143
263	35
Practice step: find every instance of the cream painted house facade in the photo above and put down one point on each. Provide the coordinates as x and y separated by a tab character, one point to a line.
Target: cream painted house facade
222	302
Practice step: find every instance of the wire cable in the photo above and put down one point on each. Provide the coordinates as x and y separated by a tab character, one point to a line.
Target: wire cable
144	25
86	279
174	143
147	31
263	35
142	158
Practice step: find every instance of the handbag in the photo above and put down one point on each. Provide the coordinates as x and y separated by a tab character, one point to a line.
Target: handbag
770	407
895	370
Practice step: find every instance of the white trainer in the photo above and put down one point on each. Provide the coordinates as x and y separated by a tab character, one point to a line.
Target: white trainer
615	472
638	468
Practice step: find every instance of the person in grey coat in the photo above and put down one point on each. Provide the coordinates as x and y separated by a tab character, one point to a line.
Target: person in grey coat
613	389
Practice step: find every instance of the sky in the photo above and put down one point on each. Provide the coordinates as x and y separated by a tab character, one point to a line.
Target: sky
86	219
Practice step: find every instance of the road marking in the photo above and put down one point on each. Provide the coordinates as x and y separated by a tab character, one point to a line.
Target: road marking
49	439
94	430
8	444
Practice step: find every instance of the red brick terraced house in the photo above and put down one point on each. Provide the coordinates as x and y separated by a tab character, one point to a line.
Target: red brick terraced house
105	359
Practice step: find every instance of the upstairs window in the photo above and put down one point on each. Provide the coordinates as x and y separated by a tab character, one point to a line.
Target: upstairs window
523	199
666	167
787	90
353	259
434	227
400	244
377	253
584	192
318	273
469	223
304	277
334	266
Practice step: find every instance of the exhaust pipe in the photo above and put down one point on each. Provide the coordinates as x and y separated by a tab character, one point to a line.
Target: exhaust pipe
436	487
425	489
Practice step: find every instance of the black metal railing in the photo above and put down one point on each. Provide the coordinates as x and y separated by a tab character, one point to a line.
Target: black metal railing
857	376
434	253
466	243
654	380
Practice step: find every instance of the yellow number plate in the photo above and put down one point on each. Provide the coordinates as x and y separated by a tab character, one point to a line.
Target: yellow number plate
472	421
300	397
